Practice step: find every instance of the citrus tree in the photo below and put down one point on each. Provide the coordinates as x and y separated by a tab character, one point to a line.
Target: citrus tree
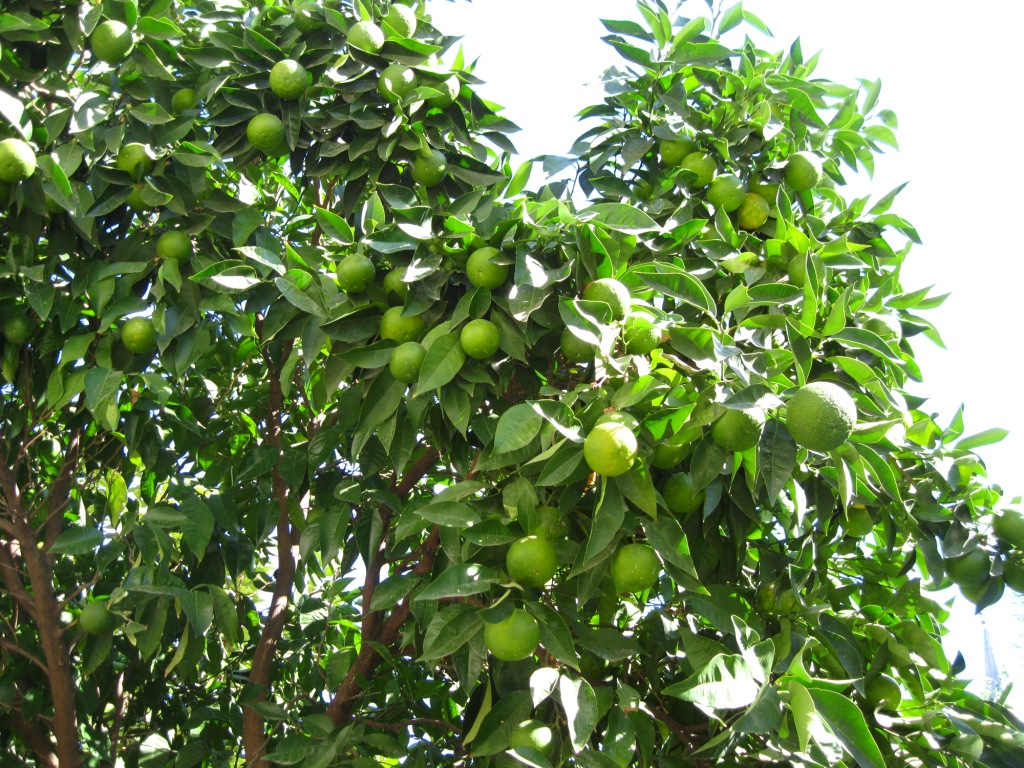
324	440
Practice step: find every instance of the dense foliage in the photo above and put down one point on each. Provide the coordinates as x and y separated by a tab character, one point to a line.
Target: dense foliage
324	440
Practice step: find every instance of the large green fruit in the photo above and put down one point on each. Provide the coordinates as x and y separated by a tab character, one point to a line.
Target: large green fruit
1008	526
635	567
702	165
354	272
111	42
266	133
672	151
610	449
17	330
400	329
970	569
95	619
531	561
138	335
17	160
483	270
680	494
726	193
575	349
533	733
738	430
480	339
821	416
514	638
429	168
289	79
134	159
803	171
406	361
396	83
611	292
883	693
366	36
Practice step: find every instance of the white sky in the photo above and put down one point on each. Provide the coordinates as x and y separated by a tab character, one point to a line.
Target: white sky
950	71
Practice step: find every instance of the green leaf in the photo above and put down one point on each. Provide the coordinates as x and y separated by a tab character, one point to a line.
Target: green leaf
77	541
460	580
619	217
988	437
450	629
554	634
442	363
726	682
846	720
198	607
451	514
678	283
517	428
580	705
777	454
608	517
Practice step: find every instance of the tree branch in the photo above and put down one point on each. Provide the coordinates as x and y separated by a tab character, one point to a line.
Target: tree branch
340	708
254	736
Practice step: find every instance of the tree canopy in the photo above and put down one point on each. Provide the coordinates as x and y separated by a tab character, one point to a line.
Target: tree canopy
329	438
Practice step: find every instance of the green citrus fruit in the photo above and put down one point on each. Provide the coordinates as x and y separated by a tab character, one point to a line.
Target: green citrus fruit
821	416
395	287
533	733
514	638
396	83
883	693
673	151
401	329
366	36
970	569
17	160
289	79
183	100
1013	574
531	561
975	593
447	92
430	168
611	292
18	329
635	567
575	349
307	16
1008	526
549	523
134	159
95	619
858	521
640	335
803	171
702	165
680	494
406	361
886	326
266	133
738	430
628	420
354	272
666	456
402	19
174	245
482	269
766	189
726	193
753	211
796	271
136	201
610	449
138	335
787	602
479	339
111	42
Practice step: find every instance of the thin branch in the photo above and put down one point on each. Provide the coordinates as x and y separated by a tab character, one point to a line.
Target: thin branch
15	648
254	734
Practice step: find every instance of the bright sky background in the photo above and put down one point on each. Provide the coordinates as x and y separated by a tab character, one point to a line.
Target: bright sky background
957	99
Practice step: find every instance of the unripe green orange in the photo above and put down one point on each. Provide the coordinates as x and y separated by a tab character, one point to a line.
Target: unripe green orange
514	638
401	329
634	568
610	449
483	271
480	339
406	361
531	561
